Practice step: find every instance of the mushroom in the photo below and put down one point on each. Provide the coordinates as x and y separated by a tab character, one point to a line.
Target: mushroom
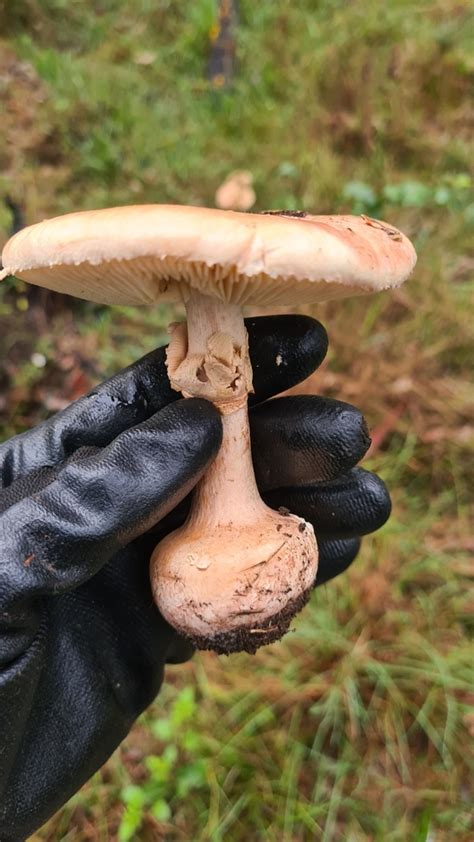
236	192
236	573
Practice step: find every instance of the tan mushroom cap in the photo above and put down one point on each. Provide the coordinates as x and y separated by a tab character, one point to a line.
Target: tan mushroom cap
143	254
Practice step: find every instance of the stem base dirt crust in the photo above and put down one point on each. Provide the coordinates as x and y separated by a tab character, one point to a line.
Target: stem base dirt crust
244	639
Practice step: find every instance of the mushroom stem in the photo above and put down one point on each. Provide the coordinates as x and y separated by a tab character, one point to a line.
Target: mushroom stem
208	357
207	315
228	491
236	573
218	362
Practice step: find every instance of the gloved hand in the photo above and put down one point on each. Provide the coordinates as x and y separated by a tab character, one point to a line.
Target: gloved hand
84	499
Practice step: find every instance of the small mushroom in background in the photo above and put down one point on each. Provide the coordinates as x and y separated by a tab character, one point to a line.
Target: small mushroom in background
236	573
236	192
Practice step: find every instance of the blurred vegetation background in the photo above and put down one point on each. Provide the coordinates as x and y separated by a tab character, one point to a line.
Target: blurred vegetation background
356	726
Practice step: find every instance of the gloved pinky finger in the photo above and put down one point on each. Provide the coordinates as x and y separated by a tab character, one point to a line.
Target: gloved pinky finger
335	556
354	504
180	651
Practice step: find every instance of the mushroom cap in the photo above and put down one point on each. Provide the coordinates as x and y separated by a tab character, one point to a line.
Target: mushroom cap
142	254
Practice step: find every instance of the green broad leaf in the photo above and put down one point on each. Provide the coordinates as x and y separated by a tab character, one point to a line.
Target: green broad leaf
408	194
362	196
130	823
161	810
191	741
170	754
184	706
133	796
163	730
442	195
191	777
287	170
160	767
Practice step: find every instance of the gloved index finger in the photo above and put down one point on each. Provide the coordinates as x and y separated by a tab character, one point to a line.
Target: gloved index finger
124	400
284	351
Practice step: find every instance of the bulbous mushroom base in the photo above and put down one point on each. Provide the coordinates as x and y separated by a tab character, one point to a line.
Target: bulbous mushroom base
234	590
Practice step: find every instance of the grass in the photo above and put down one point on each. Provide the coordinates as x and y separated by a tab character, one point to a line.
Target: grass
356	726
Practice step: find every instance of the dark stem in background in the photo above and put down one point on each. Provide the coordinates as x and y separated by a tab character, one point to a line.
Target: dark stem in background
221	62
18	219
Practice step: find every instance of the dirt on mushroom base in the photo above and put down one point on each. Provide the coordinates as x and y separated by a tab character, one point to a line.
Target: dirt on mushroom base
251	639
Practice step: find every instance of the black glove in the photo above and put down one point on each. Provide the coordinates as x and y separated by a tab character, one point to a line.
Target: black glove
86	496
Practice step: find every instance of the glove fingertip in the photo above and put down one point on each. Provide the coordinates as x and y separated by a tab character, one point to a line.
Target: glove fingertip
335	556
284	351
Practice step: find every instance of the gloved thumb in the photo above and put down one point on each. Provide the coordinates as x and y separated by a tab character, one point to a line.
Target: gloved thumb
58	537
